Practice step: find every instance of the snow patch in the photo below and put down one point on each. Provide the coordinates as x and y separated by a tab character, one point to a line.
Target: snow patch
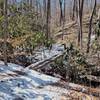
24	86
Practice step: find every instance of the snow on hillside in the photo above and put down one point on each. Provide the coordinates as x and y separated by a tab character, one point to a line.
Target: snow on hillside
24	86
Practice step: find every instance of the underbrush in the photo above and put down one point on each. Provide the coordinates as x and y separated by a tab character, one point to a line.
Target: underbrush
73	66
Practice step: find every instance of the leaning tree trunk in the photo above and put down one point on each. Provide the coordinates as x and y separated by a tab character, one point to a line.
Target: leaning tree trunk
5	31
90	28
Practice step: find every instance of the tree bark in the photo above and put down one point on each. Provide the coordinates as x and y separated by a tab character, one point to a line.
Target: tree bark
90	28
31	3
48	18
73	15
75	10
80	14
5	31
61	11
44	15
63	19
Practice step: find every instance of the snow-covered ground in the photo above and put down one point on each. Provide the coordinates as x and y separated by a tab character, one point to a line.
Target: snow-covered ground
32	85
27	86
19	83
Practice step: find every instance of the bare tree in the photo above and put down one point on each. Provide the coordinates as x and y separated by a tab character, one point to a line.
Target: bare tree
63	18
73	15
1	7
75	10
28	2
5	31
80	14
90	27
61	11
44	5
62	4
48	18
31	2
44	14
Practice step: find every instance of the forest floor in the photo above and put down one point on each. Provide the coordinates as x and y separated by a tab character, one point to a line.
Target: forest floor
19	83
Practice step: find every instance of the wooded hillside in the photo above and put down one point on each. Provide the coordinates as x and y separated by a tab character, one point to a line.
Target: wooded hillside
50	44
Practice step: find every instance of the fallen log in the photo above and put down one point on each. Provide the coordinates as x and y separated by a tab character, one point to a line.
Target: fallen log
80	88
48	62
59	30
69	25
42	63
92	78
66	94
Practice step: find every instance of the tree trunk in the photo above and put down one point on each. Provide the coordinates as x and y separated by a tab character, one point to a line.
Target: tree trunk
5	31
75	10
90	28
73	15
61	11
63	19
44	15
80	13
31	3
48	18
44	9
28	2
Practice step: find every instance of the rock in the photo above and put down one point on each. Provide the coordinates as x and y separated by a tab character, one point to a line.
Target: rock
22	60
18	98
